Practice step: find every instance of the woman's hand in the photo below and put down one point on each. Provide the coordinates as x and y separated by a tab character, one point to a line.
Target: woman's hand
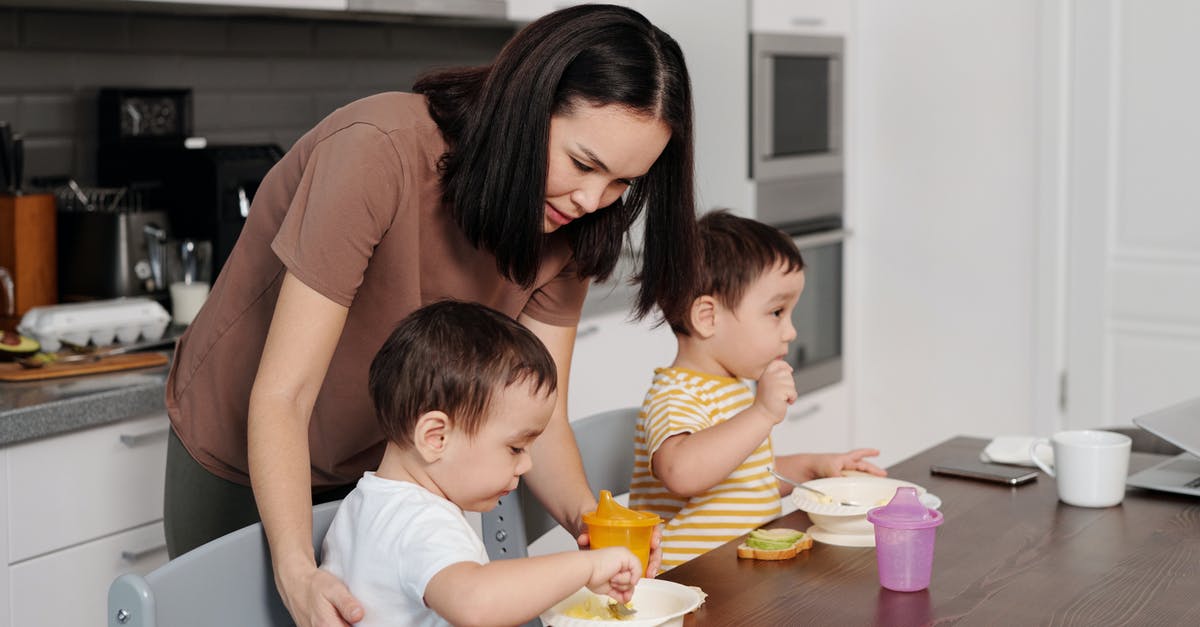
323	601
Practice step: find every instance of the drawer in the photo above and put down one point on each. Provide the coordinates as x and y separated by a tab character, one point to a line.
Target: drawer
70	587
84	485
817	17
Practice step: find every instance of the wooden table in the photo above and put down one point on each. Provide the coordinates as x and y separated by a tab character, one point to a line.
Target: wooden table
1004	556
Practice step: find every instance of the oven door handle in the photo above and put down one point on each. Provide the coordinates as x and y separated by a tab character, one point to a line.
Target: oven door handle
813	240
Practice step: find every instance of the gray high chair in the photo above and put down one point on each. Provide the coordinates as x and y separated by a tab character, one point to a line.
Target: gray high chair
225	582
229	580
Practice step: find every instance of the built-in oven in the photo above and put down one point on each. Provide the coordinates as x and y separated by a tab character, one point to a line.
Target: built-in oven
796	126
797	168
816	353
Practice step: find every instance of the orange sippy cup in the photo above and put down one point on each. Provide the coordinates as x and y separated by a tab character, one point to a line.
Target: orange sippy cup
614	525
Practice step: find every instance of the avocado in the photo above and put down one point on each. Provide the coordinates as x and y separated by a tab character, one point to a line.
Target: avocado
13	346
773	539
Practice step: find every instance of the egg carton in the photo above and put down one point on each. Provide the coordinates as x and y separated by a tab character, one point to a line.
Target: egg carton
103	322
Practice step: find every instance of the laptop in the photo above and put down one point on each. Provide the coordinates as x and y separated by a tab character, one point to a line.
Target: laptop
1179	425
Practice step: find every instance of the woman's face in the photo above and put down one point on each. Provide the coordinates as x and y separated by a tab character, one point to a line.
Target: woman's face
595	154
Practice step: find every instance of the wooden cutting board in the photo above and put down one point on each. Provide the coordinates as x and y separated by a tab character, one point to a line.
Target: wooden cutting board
15	372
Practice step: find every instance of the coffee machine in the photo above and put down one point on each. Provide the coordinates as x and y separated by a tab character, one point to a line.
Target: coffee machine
205	191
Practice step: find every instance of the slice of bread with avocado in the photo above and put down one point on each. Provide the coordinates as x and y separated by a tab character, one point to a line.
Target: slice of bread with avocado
774	544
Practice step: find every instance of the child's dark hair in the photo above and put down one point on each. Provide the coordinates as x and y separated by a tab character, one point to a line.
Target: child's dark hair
734	251
496	120
453	356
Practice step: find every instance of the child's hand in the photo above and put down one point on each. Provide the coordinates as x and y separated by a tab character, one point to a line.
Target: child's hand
834	464
615	571
776	390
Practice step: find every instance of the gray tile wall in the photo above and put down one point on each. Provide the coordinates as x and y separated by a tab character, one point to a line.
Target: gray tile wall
254	79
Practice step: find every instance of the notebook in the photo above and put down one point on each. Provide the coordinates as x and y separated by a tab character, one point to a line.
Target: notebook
1179	425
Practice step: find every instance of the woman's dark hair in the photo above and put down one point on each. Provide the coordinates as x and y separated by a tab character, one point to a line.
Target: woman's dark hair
496	121
734	252
452	356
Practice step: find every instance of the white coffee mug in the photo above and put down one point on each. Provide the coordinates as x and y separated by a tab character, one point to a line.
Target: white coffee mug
1089	466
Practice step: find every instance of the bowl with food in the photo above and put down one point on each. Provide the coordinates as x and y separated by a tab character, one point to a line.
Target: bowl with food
655	603
868	491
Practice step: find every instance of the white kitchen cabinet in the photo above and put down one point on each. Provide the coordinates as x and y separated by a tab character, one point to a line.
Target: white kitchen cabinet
815	17
614	362
79	510
69	587
1132	316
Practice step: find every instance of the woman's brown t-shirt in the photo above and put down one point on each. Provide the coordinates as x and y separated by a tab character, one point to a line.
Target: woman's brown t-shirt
353	210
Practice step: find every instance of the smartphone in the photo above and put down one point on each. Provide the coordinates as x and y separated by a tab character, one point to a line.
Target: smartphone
996	473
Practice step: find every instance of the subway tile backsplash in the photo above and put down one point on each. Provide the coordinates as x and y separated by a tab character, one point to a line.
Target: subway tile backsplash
254	79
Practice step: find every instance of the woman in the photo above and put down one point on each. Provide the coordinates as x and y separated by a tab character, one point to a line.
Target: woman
511	185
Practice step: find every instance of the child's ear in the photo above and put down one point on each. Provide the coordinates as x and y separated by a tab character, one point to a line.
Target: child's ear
430	435
703	316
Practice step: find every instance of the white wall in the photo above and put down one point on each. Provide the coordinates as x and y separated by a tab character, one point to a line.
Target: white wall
942	192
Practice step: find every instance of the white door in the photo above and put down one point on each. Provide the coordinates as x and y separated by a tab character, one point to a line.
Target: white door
1133	214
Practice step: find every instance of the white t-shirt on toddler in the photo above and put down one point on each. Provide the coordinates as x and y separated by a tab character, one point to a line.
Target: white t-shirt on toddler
388	539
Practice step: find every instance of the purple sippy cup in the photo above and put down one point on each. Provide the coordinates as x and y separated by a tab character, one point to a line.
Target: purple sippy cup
904	534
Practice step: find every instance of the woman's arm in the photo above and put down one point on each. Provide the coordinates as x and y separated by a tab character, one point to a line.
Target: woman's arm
557	477
300	343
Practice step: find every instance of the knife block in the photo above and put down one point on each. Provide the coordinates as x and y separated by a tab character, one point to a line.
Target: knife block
27	251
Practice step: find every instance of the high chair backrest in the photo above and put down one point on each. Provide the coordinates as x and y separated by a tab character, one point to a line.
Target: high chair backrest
225	582
606	446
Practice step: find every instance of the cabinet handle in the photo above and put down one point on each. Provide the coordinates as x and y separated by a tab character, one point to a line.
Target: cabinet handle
590	329
804	242
807	21
138	439
806	412
130	555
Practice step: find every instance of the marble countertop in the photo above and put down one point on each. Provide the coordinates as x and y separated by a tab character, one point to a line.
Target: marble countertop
37	409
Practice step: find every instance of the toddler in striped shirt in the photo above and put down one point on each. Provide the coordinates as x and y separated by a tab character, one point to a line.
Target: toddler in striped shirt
703	448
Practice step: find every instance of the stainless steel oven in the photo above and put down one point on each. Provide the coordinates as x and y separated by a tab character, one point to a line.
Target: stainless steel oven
816	353
796	106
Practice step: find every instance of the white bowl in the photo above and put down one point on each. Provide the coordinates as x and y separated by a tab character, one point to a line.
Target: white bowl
869	490
657	601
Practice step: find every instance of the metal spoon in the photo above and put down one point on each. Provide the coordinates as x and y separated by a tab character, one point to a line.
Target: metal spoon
819	493
620	611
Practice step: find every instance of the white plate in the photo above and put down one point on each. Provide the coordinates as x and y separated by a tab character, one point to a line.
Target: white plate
1014	449
657	601
841	539
825	536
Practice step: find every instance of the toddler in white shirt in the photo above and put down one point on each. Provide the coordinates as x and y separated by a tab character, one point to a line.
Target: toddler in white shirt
461	392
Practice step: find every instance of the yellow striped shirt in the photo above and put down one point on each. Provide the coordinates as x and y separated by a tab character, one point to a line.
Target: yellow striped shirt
685	401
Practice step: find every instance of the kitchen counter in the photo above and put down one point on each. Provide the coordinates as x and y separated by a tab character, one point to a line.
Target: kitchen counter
37	409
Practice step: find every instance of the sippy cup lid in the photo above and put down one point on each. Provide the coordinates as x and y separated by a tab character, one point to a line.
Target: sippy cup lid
613	514
905	511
